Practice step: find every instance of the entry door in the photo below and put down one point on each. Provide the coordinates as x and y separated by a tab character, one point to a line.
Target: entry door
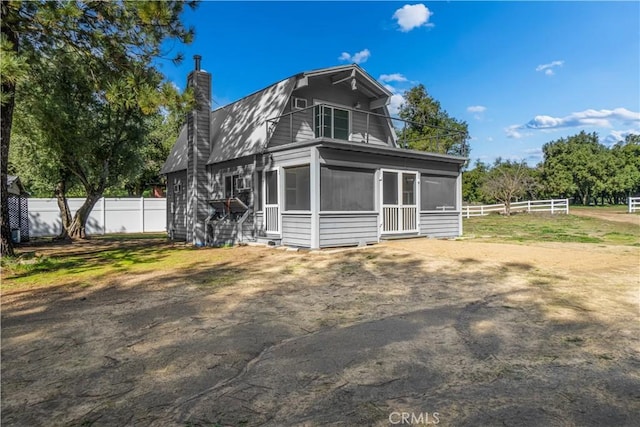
399	202
271	210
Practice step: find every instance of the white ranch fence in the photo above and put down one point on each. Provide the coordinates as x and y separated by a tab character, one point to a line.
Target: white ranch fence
634	204
109	215
554	206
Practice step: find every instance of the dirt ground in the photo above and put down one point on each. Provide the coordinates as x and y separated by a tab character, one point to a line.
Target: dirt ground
482	334
608	215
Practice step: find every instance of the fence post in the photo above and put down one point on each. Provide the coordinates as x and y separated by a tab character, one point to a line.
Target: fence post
481	210
629	201
142	214
552	207
529	206
566	202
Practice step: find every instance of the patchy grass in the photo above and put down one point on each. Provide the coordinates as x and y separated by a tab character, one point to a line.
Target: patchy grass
552	228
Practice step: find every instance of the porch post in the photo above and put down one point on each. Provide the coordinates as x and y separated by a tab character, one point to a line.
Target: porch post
459	201
314	183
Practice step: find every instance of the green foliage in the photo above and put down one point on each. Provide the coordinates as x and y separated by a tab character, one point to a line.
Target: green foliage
88	102
429	127
472	182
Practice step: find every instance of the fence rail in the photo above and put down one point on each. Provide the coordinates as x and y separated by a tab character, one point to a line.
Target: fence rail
554	206
109	215
634	204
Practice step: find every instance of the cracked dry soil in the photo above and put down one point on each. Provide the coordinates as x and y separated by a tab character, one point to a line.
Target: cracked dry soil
481	333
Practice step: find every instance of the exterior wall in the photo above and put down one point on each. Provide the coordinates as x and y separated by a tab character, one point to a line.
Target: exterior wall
348	229
243	167
296	229
177	205
440	224
300	126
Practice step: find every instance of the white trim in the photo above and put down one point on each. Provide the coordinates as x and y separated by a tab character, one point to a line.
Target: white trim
400	204
352	213
294	103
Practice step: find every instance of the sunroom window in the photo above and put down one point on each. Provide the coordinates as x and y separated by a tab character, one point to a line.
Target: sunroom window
297	195
437	193
331	122
346	189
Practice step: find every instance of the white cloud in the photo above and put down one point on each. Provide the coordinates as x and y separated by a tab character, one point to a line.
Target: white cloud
412	16
619	135
513	132
358	57
490	138
394	105
390	88
600	118
477	109
548	68
395	77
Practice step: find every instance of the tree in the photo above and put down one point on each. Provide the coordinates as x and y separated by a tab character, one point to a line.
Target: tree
575	165
115	36
625	179
429	127
508	181
472	182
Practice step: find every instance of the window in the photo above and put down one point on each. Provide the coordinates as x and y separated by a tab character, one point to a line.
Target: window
230	189
177	186
343	189
408	189
299	103
437	193
271	178
331	122
390	188
296	181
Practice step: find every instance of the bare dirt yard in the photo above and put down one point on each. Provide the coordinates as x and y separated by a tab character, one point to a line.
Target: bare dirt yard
618	215
483	334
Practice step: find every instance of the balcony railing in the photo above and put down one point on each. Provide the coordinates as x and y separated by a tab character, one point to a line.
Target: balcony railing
321	121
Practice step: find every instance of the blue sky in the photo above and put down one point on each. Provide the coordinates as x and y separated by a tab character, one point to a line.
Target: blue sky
520	73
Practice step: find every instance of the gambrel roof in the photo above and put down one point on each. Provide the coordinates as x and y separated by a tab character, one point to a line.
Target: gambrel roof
239	129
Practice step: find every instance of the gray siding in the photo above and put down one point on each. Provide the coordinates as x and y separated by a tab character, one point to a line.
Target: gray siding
300	127
259	223
299	124
243	167
439	224
296	230
348	229
291	157
378	131
376	161
176	219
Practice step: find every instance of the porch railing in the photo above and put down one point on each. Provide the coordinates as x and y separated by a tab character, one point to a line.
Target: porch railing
367	127
271	219
399	219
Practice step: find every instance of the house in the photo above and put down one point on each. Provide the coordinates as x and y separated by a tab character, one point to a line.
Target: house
311	161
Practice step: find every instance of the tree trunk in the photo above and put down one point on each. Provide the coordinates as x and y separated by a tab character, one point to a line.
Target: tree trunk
6	118
65	213
507	207
77	228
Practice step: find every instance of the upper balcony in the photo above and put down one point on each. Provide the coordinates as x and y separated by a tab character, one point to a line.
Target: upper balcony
325	121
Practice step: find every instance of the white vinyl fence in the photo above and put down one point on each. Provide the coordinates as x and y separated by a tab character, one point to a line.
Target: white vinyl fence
109	215
554	206
634	204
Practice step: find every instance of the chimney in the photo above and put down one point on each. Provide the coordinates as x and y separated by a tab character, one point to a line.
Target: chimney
198	149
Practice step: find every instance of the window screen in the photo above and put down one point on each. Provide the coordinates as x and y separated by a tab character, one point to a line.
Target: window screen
437	193
390	188
229	189
296	181
408	189
343	189
272	188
